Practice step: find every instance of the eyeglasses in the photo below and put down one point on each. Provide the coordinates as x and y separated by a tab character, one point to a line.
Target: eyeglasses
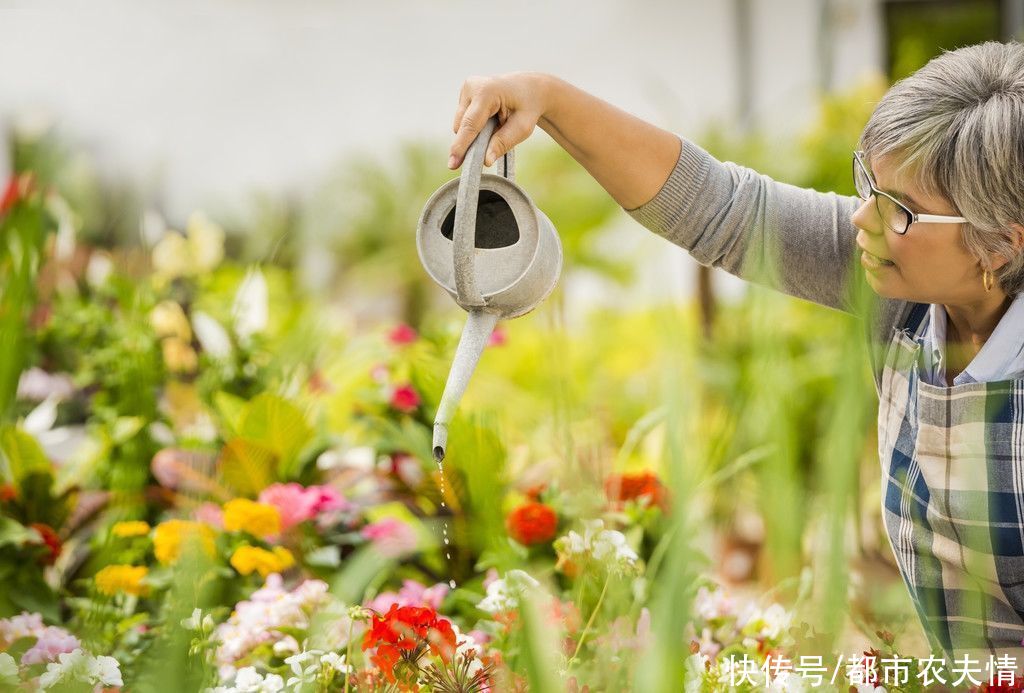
892	212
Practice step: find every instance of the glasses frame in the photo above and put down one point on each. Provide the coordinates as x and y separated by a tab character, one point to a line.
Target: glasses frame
912	217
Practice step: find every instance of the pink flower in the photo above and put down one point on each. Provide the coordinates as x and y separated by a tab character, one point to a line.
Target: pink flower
412	593
498	337
25	625
402	334
391	537
297	503
210	514
405	399
52	642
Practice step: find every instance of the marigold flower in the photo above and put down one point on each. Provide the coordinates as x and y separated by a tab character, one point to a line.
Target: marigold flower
248	559
636	485
532	523
123	578
258	519
170	536
133	528
405	399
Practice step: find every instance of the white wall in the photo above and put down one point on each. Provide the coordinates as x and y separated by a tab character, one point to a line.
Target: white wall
208	99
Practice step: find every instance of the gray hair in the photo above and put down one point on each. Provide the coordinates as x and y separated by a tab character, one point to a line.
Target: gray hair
957	125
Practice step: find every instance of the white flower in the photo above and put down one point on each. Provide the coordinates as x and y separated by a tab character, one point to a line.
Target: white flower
251	309
249	680
104	671
605	546
99	269
171	256
336	662
193	622
212	336
694	672
41	419
504	594
286	646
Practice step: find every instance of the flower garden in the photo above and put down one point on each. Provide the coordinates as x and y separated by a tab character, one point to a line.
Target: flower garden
215	478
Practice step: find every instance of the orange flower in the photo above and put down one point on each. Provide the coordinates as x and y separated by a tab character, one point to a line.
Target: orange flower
532	523
636	485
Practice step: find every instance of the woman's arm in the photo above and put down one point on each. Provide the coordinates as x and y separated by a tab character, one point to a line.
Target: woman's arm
798	241
629	157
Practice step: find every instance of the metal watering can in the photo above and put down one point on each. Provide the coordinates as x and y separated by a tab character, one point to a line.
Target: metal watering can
483	240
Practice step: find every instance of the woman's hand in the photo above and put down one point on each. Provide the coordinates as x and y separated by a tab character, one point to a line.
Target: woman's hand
630	158
518	98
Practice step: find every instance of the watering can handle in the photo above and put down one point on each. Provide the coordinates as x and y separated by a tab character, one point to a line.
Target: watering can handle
464	235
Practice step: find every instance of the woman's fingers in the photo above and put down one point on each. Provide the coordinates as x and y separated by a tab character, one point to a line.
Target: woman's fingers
468	127
516	128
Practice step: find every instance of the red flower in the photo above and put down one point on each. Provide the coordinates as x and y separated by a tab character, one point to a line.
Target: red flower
402	636
10	196
1016	687
634	485
50	540
498	338
402	334
8	492
405	399
532	523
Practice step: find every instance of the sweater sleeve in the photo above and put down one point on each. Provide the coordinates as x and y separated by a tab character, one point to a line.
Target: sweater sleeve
798	241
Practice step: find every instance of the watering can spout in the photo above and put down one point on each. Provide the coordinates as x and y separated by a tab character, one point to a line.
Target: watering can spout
475	335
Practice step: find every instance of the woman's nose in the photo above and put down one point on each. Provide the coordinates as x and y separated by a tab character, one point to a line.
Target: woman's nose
865	217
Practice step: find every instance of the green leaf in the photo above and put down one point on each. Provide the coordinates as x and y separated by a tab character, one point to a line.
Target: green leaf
231	409
246	466
278	425
21	453
14	533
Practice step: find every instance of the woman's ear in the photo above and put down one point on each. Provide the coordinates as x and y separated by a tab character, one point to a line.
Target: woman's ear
1018	245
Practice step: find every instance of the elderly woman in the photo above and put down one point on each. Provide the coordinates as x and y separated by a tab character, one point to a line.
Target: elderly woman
938	227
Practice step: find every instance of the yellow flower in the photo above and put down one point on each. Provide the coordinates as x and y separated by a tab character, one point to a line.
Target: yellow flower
170	536
247	559
171	257
179	356
123	578
258	519
168	320
205	242
135	528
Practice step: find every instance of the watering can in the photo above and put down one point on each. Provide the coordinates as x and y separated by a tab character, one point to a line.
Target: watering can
482	239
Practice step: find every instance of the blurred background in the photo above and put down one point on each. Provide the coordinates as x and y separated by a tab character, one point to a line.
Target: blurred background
209	286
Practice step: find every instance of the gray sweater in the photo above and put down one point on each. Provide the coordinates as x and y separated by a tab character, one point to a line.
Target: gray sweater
798	241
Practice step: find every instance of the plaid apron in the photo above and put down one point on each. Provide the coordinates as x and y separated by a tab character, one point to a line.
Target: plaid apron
953	499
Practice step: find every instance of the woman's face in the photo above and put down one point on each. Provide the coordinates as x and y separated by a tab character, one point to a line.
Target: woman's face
930	263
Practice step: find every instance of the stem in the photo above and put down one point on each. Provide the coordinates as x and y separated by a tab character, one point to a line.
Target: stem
590	621
348	652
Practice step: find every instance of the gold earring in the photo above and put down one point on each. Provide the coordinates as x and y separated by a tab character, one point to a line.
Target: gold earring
988	280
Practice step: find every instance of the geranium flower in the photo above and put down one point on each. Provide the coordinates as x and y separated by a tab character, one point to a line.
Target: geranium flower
405	399
50	540
51	643
643	485
403	635
412	593
532	523
391	537
296	503
402	334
